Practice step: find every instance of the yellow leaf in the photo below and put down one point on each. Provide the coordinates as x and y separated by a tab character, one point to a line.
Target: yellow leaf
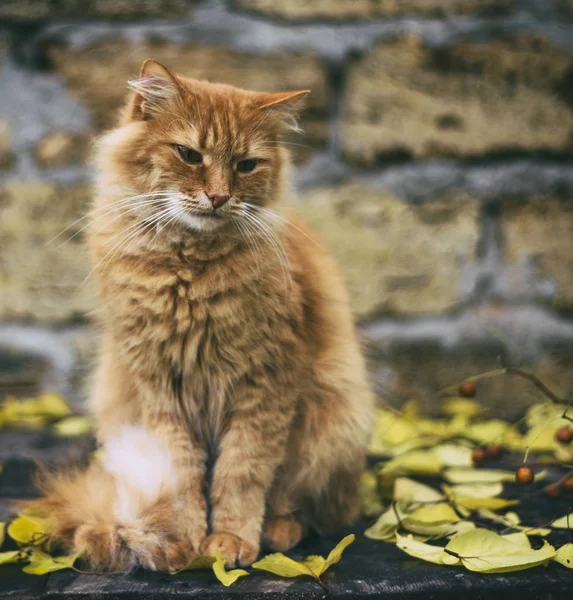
478	475
335	554
283	566
390	430
565	522
370	495
2	525
420	550
52	405
477	503
520	538
11	556
564	556
487	552
475	490
407	490
28	530
385	527
439	531
424	462
227	578
436	514
453	455
457	405
315	566
41	563
199	562
73	426
511	519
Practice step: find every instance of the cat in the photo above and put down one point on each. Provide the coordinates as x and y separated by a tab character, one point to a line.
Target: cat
230	396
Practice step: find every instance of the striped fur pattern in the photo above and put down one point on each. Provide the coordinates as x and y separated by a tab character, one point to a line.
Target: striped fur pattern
230	392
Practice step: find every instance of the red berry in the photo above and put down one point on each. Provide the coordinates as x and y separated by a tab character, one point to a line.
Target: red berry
494	451
478	456
564	435
567	484
467	389
553	490
524	475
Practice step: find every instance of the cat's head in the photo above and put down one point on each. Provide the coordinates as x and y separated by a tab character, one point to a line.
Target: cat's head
195	152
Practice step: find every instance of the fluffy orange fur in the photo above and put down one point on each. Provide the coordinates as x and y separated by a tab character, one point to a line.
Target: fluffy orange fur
230	396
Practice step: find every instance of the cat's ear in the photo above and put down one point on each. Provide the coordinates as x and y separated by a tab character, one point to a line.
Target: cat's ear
156	84
286	105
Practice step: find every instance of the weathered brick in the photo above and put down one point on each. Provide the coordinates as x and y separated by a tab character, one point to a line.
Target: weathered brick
405	99
396	257
7	158
539	233
302	10
93	9
60	148
104	90
42	281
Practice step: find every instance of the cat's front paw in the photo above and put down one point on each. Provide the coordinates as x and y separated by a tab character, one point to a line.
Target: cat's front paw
234	549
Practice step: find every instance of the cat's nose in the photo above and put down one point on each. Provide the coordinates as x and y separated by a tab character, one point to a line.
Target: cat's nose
217	200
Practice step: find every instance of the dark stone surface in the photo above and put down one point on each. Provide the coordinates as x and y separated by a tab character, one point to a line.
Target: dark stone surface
369	569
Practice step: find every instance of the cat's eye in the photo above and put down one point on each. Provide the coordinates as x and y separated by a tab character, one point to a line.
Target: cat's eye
188	155
246	166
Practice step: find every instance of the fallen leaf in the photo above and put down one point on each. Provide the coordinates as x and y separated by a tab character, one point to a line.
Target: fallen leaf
565	522
385	527
420	550
73	426
370	500
452	455
315	566
52	405
11	556
487	552
474	490
458	405
436	514
199	562
424	462
42	563
478	475
564	556
227	578
408	490
28	530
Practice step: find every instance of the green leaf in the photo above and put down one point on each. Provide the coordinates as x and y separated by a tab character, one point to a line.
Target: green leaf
564	556
487	552
227	578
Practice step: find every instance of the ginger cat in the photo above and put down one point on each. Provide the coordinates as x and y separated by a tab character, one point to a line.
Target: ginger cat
230	396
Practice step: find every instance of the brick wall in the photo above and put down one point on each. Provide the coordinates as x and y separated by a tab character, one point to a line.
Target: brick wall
436	163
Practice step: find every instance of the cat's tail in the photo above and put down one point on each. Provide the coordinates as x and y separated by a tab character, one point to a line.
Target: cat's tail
120	512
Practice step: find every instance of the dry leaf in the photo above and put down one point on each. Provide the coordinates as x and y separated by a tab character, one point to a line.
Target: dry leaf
420	550
28	530
199	562
487	552
42	563
73	426
478	475
227	578
407	490
564	556
565	522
